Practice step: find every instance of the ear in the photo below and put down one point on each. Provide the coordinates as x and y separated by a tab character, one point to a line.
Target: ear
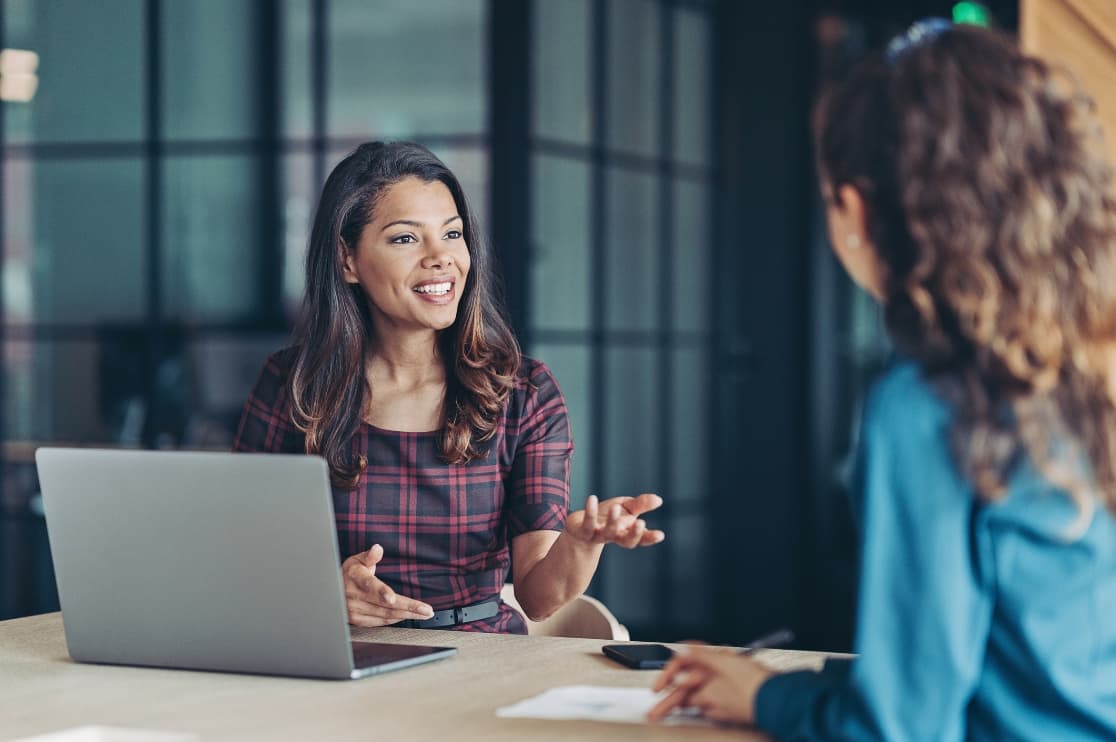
348	262
848	233
849	225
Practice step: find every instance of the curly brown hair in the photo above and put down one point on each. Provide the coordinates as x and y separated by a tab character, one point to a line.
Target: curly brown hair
327	385
991	207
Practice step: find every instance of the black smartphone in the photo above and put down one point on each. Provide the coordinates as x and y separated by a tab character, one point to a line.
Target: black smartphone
639	656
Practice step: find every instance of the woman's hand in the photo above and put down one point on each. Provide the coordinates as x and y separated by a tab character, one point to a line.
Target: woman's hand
371	602
722	683
615	521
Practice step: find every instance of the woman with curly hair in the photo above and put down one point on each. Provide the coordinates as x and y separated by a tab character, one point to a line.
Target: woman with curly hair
449	452
967	192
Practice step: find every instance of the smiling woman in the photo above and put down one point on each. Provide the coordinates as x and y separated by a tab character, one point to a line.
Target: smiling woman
449	451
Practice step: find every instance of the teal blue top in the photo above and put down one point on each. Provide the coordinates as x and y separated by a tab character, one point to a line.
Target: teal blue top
975	621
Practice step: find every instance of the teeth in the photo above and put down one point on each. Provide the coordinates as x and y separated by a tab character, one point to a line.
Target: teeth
438	289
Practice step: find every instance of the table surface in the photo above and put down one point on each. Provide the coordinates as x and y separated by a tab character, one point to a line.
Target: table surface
43	690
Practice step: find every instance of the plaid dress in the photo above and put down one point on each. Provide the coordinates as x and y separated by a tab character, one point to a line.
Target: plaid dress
445	528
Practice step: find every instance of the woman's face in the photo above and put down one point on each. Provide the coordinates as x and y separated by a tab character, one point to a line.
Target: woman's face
411	259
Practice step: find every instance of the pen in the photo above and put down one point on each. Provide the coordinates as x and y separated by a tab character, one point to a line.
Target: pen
779	638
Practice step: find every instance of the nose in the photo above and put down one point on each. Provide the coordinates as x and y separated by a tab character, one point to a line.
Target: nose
437	257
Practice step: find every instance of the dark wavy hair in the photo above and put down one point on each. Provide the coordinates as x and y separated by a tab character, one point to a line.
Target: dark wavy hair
328	388
990	204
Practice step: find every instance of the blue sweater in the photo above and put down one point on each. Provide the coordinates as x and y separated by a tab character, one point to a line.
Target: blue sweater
975	621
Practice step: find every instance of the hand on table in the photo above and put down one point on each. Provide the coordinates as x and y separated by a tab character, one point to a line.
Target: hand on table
720	682
370	601
615	521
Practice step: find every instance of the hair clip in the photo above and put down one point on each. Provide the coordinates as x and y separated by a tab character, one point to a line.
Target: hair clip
919	33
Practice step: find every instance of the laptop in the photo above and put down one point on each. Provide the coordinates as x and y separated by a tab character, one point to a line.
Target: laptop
204	561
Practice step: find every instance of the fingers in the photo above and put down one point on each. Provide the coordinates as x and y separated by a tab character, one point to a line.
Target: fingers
686	680
373	603
371	557
589	523
693	659
677	698
670	671
685	691
709	661
634	535
364	579
641	504
388	602
365	613
616	521
618	527
377	587
626	530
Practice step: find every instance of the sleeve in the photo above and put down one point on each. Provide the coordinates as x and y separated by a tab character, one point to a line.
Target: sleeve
923	615
265	423
538	484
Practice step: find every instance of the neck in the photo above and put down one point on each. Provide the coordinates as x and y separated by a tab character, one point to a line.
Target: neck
408	359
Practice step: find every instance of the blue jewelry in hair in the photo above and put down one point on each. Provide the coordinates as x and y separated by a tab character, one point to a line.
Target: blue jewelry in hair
920	32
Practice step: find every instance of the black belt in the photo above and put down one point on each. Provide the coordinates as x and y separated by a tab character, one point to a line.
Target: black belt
454	616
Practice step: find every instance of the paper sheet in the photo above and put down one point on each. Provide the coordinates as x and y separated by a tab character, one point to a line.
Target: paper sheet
111	734
597	703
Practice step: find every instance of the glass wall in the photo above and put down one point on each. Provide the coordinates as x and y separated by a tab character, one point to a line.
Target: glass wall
619	274
157	191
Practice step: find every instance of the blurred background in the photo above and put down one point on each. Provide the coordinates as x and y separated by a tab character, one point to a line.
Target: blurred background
642	167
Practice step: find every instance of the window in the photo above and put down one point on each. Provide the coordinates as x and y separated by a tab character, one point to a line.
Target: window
619	265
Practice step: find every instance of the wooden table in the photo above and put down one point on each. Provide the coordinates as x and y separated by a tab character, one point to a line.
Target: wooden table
43	690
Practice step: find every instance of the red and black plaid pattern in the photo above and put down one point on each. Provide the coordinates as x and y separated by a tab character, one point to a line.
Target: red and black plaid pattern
445	528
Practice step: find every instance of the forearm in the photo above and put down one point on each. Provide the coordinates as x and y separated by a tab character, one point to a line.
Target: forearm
559	577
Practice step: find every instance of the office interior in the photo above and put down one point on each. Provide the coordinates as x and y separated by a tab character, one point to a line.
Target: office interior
642	168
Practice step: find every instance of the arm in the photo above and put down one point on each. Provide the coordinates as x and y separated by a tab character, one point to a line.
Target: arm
555	556
923	612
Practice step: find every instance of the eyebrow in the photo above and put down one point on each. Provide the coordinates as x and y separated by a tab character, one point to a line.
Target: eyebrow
412	223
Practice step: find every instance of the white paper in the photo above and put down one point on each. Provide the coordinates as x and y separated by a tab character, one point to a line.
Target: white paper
111	734
598	703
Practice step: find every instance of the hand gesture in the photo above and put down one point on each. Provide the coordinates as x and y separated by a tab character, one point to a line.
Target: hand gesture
720	682
371	602
615	521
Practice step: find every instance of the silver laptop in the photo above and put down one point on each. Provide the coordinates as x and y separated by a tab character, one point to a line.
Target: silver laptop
205	561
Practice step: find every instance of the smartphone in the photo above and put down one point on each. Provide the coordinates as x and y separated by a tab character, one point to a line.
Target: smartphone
639	656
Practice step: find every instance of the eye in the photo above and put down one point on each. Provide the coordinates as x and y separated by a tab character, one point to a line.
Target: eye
453	234
403	239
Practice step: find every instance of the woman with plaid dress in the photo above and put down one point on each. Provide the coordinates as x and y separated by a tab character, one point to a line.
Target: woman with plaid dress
449	452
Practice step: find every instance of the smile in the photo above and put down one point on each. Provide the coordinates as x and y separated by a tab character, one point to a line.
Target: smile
435	289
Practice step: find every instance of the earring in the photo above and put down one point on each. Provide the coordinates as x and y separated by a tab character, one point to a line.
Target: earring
852	242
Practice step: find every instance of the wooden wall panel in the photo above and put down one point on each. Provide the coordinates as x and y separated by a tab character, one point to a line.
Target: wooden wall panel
1080	34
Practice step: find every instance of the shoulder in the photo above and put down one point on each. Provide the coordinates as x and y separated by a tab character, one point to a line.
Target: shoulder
534	387
903	402
271	383
906	469
906	423
282	361
535	396
533	374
